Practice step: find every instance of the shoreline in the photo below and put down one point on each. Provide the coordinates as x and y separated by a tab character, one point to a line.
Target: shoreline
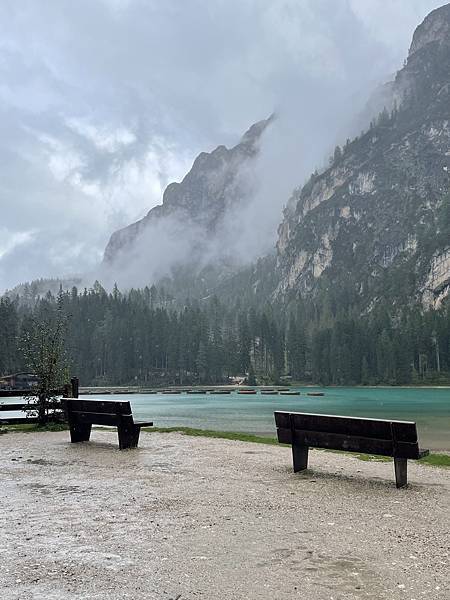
254	414
438	457
145	390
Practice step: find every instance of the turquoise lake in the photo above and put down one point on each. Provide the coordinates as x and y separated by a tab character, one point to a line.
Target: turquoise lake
430	408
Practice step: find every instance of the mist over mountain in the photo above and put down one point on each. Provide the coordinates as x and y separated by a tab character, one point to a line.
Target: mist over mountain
376	222
372	223
201	221
99	112
224	214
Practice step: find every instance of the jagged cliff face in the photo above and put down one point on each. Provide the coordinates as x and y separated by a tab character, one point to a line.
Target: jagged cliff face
193	210
372	221
371	224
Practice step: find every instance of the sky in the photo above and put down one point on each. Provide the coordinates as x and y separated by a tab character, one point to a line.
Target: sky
105	102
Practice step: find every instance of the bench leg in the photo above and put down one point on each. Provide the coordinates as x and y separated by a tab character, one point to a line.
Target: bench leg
401	472
80	432
300	457
128	436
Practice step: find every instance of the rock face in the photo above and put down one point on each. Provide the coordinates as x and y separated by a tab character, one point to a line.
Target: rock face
195	207
373	220
434	30
437	283
376	222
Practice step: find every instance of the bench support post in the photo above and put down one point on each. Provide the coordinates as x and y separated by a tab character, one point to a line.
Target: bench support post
128	436
80	432
299	457
401	472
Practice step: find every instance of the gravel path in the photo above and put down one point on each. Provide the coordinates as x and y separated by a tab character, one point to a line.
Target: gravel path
190	518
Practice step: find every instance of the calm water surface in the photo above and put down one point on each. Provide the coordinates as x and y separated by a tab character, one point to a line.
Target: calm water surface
430	408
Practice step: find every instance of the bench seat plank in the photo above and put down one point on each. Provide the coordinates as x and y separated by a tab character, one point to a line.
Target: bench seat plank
338	441
405	431
121	407
97	418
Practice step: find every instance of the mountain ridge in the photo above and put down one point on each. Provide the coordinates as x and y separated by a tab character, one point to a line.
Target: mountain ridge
373	213
208	190
372	222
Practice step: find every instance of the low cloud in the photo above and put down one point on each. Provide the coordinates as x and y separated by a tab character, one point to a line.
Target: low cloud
104	102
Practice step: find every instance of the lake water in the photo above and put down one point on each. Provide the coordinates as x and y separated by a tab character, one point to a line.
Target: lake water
429	407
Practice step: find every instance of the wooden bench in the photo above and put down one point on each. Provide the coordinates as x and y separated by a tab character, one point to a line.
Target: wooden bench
351	434
82	414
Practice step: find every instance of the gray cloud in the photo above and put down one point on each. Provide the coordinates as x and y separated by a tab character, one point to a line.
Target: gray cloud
103	102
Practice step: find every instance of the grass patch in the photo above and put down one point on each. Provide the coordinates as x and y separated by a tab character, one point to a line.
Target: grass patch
436	460
224	435
33	428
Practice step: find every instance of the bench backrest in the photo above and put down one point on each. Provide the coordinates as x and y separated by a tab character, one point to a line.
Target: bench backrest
98	412
355	434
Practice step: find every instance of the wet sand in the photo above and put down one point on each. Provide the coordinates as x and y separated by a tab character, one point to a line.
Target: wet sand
190	518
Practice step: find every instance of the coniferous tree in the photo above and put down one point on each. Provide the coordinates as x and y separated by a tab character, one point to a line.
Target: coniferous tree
44	354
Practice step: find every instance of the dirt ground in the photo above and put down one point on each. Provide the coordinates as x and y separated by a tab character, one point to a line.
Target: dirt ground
190	518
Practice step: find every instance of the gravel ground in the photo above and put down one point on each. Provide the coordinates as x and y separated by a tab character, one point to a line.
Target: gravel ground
189	518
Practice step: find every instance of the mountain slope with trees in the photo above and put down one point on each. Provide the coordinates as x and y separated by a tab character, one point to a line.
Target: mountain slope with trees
140	337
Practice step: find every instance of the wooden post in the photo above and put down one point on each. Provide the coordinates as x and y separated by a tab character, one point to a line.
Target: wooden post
299	452
299	457
401	472
74	382
80	432
128	436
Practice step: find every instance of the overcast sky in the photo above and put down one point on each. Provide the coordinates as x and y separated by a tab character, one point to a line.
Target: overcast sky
103	102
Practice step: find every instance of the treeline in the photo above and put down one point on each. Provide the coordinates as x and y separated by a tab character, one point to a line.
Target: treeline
141	337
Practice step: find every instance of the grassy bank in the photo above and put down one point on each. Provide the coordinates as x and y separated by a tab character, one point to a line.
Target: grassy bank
434	459
33	428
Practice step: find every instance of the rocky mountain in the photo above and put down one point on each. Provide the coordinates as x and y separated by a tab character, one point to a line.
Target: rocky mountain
374	226
193	210
377	221
185	244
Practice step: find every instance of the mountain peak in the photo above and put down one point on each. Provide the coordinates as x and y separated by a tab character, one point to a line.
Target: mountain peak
194	208
435	28
252	135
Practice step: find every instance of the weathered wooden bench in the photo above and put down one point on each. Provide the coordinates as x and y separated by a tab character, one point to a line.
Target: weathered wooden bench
82	414
351	434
